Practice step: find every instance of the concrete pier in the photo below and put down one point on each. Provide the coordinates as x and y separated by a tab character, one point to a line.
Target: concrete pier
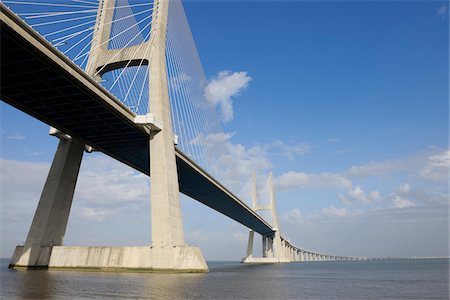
51	216
138	259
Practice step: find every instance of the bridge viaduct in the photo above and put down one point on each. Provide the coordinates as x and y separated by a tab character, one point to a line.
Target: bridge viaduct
40	81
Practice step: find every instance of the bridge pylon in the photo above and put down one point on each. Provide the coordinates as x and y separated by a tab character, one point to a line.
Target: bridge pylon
168	250
274	249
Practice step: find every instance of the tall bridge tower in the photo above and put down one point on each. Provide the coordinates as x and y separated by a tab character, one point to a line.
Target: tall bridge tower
168	250
273	247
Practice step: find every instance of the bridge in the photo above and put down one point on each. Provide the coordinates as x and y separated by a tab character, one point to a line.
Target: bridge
152	134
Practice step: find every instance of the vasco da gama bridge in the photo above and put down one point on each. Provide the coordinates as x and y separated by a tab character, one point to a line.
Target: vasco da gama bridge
122	77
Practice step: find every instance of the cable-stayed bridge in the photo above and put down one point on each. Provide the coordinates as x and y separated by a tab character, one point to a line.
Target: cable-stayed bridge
123	77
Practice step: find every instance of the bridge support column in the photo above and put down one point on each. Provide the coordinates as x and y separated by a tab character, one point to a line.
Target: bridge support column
51	216
269	247
251	237
167	227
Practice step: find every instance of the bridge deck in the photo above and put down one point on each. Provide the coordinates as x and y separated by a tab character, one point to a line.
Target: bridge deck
39	80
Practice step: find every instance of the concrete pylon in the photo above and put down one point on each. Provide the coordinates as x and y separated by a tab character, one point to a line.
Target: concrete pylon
50	219
101	59
273	248
251	234
167	228
169	251
277	243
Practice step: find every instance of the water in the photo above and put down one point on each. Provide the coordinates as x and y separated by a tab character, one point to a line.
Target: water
407	279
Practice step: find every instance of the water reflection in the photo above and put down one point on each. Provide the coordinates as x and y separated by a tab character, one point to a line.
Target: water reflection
36	284
172	286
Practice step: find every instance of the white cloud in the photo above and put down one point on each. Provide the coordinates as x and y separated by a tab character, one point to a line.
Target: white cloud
103	181
436	167
221	90
339	212
399	202
358	195
291	180
234	163
424	197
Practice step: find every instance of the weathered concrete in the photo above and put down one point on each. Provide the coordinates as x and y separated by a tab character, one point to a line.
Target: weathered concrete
167	227
139	258
51	216
264	260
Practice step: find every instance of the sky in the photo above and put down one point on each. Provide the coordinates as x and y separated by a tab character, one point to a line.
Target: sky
346	103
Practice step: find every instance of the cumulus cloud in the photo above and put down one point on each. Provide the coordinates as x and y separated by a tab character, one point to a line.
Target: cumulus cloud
235	163
105	181
358	195
399	202
421	196
221	89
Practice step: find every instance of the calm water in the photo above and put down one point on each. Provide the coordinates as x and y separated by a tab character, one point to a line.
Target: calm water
425	279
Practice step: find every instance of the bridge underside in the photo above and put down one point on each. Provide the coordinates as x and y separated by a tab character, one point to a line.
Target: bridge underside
40	81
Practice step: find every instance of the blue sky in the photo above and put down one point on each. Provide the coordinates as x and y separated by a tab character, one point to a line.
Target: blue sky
347	104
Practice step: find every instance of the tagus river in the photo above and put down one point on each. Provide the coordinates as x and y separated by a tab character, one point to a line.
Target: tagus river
402	279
